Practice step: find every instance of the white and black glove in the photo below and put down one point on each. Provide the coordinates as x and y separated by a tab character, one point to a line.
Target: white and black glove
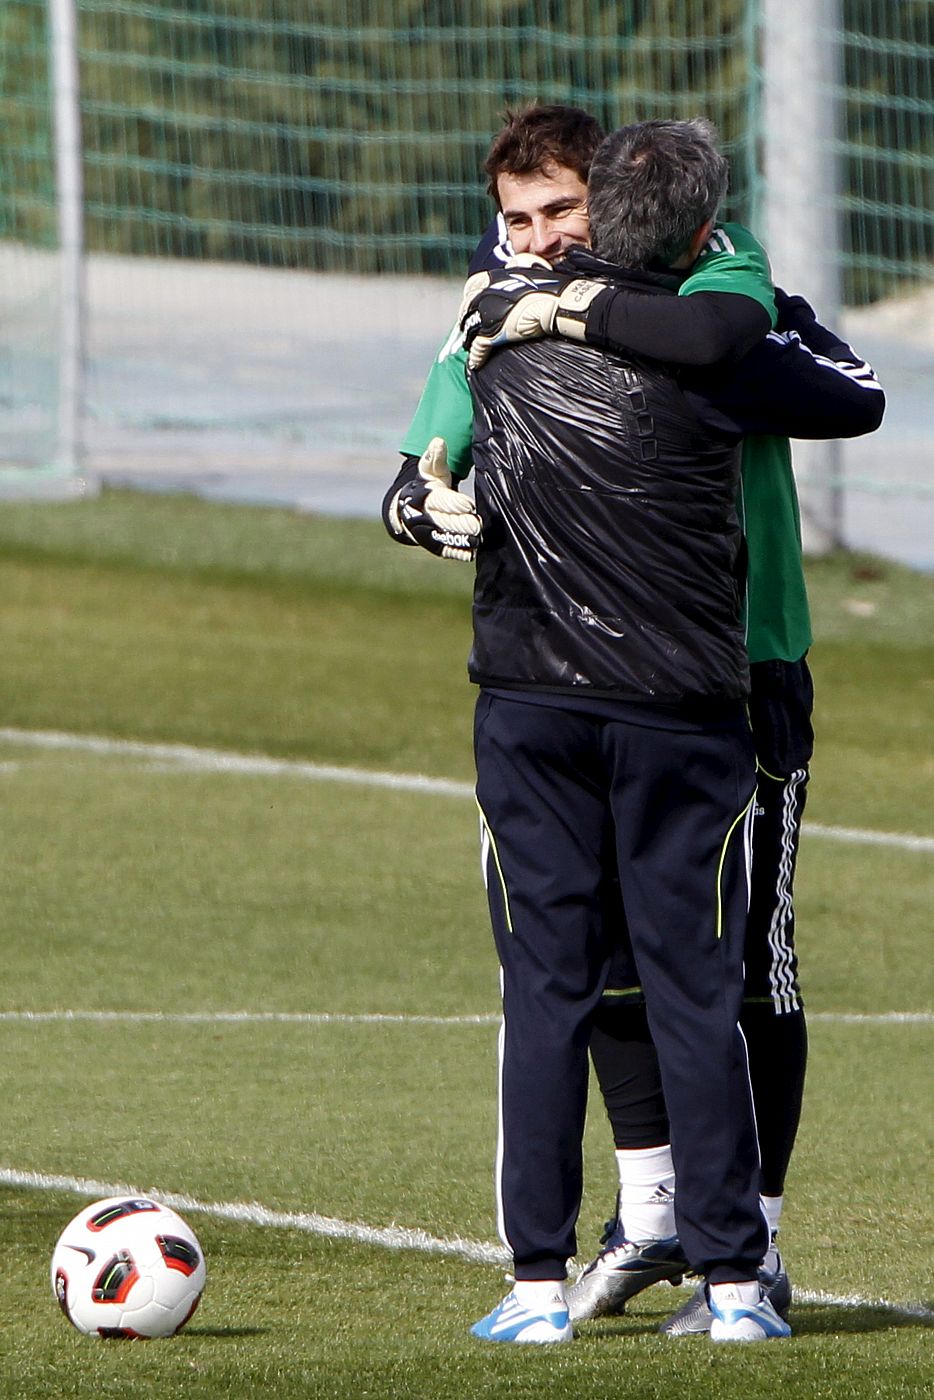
524	301
427	511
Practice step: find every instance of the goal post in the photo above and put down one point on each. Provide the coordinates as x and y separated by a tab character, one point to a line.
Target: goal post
802	84
69	199
800	130
42	264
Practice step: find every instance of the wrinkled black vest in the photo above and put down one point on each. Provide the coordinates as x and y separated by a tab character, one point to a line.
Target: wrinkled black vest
611	549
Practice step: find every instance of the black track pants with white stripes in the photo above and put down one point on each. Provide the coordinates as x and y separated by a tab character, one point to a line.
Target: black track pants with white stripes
772	1017
563	794
780	709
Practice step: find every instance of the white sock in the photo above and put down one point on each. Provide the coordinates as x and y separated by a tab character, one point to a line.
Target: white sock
646	1192
539	1295
723	1294
772	1205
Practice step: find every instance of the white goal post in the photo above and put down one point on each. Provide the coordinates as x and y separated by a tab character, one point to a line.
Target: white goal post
69	197
800	59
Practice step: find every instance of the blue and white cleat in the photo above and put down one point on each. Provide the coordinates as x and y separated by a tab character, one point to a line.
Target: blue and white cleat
510	1321
694	1317
733	1321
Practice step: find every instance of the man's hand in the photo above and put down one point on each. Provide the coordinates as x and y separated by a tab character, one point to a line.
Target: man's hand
524	301
794	313
430	513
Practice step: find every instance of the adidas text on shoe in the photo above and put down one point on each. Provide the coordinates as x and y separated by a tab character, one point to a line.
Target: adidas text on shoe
745	1322
511	1322
620	1271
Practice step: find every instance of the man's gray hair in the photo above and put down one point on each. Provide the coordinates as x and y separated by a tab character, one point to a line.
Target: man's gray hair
651	186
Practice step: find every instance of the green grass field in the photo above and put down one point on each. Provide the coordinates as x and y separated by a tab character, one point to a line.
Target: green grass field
141	883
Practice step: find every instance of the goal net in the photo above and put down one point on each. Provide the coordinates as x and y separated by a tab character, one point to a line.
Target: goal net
279	199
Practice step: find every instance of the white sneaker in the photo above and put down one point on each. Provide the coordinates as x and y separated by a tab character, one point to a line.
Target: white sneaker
693	1318
510	1321
733	1321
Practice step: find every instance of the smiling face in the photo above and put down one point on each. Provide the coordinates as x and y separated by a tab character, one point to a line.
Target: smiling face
545	212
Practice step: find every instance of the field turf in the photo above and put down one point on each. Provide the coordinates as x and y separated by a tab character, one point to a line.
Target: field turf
176	894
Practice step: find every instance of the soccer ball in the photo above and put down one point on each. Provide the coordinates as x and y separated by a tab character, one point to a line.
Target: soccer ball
128	1267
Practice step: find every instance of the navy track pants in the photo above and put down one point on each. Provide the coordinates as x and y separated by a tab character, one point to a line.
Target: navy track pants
780	708
564	795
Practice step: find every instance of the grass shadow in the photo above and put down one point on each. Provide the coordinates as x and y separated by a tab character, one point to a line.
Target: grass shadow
806	1318
821	1319
226	1333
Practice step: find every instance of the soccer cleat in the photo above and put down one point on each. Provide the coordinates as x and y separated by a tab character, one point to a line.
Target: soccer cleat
776	1284
693	1318
620	1271
745	1322
511	1322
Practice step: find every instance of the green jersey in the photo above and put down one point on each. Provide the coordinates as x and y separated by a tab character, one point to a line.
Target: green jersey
445	408
778	622
733	261
777	617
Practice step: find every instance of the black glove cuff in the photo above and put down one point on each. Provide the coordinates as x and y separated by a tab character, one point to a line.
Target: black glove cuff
598	318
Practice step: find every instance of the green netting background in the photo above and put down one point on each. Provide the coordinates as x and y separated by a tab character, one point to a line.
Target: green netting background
245	161
343	135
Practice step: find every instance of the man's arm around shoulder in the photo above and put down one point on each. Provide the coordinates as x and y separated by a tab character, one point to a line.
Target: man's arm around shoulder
803	381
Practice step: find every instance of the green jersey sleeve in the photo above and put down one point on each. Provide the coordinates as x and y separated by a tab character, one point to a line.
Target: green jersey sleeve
778	624
733	261
445	408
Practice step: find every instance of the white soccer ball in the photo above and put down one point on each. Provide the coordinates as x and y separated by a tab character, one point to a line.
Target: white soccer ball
128	1267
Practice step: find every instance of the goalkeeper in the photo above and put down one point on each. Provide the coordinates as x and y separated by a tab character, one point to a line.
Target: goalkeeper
538	167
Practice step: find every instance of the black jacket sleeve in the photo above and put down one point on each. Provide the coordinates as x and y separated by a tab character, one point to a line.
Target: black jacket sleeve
706	328
803	381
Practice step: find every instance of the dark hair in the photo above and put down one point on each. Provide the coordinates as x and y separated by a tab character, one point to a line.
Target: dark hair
652	185
539	136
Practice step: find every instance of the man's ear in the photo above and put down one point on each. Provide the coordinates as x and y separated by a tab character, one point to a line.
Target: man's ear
698	241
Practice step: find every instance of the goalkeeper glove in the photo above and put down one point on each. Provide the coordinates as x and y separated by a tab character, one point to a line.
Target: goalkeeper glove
427	511
524	301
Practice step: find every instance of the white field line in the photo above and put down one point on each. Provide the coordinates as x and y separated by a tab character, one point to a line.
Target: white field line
301	1018
389	1237
378	1018
856	1300
858	837
252	1213
187	757
882	1018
